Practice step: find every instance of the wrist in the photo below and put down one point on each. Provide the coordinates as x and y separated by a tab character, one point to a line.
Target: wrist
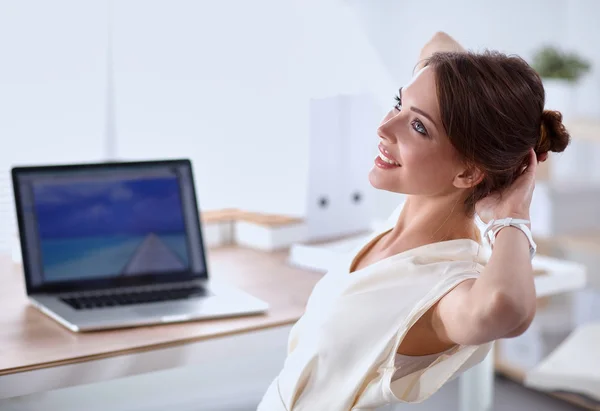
506	231
507	225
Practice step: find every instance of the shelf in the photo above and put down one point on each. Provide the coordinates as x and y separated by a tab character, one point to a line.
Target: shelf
232	215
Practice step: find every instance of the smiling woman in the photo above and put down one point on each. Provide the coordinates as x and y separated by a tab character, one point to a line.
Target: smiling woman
435	121
417	304
412	135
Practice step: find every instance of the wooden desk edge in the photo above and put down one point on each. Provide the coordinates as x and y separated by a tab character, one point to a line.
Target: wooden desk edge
139	350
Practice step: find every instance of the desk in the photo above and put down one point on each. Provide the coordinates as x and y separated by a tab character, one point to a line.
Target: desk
31	344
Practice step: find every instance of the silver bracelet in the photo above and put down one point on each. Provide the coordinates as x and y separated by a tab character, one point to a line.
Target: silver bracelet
493	228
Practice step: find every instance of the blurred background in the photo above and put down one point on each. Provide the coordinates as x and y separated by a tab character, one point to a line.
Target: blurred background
266	96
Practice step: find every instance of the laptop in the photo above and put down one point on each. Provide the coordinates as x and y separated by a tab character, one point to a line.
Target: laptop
118	245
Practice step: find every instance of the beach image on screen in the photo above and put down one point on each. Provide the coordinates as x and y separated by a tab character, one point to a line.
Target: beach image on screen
100	229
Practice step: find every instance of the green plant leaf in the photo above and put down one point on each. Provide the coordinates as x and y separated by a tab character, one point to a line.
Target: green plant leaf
551	62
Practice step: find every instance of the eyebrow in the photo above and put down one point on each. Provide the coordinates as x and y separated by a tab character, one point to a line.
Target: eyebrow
418	110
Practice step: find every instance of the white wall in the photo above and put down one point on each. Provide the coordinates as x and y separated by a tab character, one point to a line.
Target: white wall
51	80
51	89
398	29
582	36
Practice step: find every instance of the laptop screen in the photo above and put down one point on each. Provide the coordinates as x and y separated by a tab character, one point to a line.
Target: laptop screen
109	223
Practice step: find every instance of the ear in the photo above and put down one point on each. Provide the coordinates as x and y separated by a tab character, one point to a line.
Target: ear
469	177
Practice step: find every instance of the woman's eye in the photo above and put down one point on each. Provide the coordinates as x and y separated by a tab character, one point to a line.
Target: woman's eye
419	127
398	105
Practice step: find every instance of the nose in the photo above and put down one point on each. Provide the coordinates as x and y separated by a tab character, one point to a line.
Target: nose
386	128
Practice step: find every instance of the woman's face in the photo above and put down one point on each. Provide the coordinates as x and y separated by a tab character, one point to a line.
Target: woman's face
413	139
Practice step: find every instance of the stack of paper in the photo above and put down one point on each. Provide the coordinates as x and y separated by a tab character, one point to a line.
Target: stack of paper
321	257
574	366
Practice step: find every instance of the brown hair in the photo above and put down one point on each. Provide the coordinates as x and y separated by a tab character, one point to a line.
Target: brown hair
492	108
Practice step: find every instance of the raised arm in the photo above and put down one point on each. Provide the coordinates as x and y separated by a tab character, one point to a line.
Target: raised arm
501	302
438	43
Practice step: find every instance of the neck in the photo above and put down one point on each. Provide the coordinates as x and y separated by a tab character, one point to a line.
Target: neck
430	220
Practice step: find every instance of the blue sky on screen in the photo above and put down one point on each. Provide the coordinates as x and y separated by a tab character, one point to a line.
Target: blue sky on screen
89	209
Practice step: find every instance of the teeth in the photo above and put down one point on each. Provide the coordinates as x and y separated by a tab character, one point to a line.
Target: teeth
387	160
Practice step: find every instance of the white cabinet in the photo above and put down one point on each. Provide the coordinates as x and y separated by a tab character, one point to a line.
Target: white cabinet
343	146
361	118
324	211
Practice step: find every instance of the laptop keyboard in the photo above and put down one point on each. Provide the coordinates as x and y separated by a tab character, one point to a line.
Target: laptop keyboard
134	296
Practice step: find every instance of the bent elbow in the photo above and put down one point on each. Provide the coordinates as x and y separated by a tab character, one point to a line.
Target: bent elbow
520	330
510	314
522	327
501	316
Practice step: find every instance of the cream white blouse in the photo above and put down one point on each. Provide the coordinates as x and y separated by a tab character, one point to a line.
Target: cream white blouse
342	352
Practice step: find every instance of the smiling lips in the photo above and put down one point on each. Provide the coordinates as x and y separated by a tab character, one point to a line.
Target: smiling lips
385	160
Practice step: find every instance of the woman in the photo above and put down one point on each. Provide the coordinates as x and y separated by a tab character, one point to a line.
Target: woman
415	306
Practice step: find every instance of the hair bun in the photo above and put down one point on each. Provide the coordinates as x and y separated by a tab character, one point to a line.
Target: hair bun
553	134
